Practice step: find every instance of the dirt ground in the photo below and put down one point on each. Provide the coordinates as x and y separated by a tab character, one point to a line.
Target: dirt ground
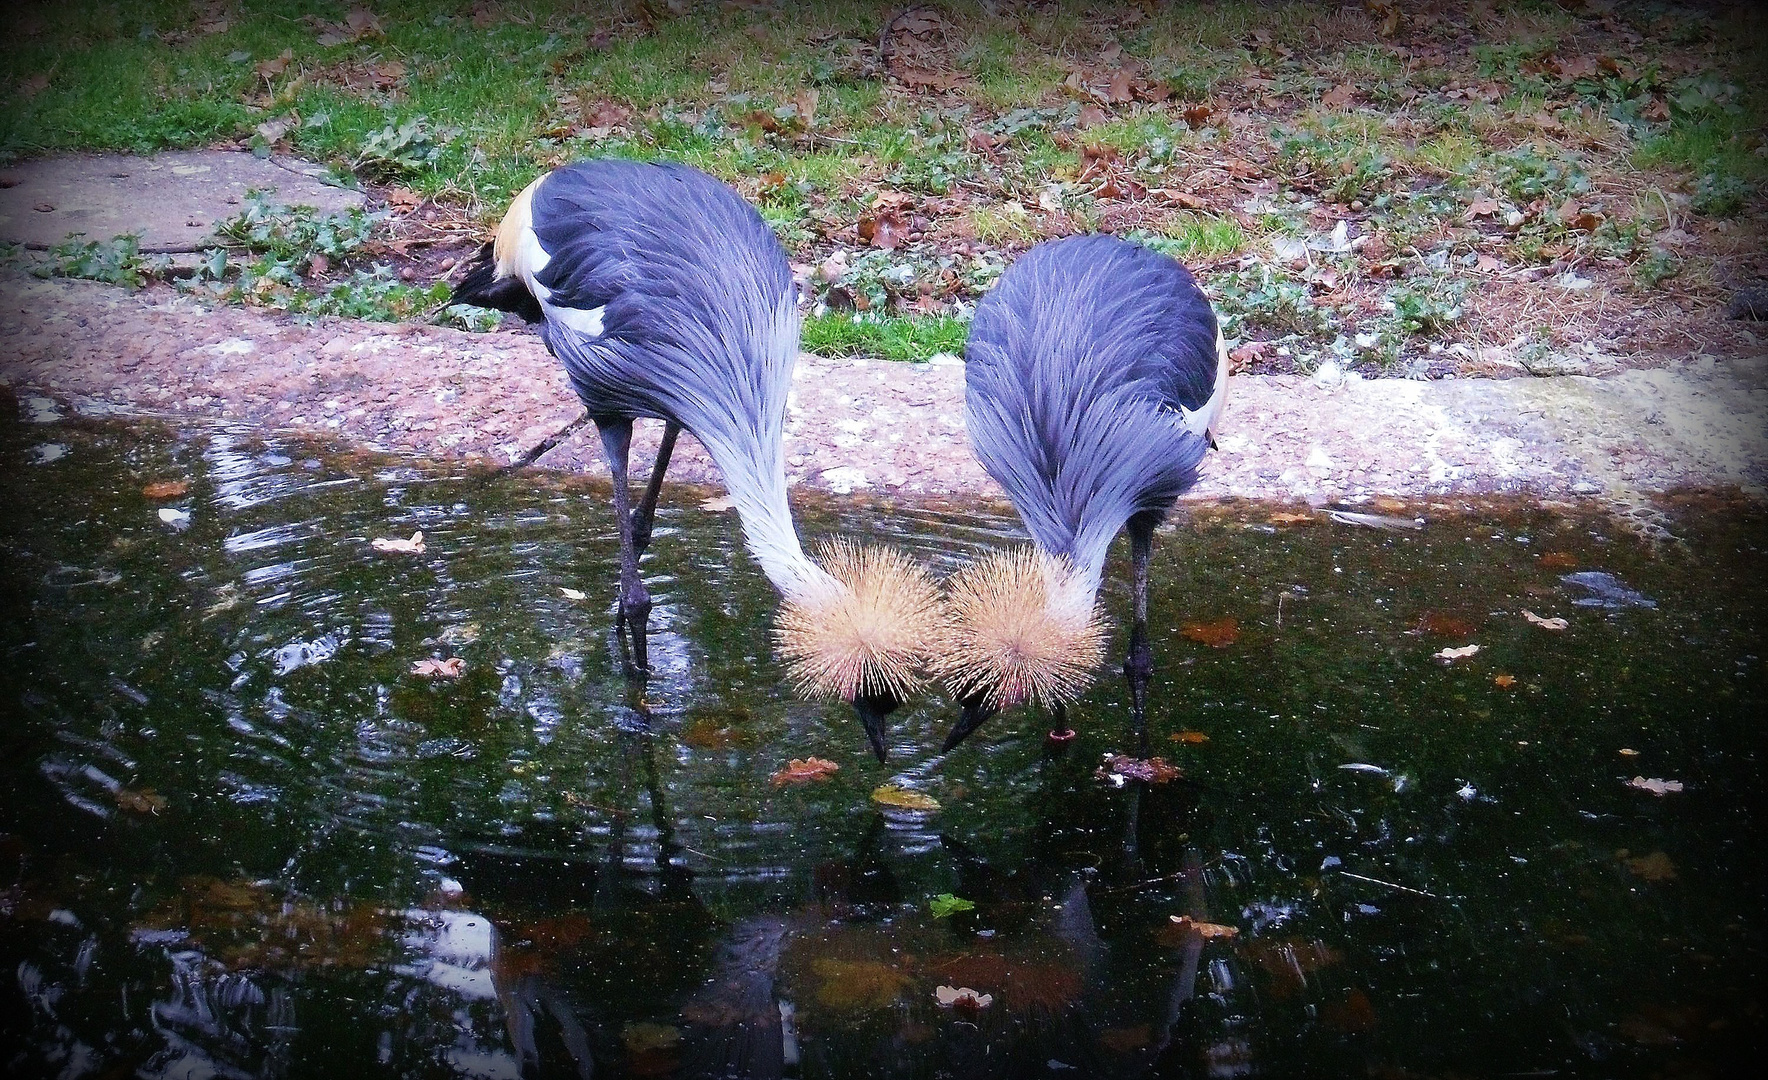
883	428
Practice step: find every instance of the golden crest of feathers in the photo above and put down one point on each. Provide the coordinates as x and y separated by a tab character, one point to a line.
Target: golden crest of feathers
1009	639
870	636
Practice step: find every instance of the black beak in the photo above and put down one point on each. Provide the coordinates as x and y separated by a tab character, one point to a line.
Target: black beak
872	709
975	713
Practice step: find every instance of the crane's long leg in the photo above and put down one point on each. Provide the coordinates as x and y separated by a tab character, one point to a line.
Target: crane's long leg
1138	666
647	506
635	602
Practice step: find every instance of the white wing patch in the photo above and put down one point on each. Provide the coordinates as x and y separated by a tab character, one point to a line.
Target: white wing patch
584	321
1203	421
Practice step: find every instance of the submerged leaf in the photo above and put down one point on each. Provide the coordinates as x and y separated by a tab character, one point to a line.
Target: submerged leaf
1217	635
1121	767
903	799
857	985
1192	737
945	905
1654	867
1504	682
808	770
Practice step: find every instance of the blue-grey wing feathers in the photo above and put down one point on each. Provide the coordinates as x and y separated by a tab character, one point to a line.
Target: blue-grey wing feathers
1079	364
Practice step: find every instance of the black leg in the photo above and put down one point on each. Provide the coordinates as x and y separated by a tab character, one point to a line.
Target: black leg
1138	666
635	602
647	506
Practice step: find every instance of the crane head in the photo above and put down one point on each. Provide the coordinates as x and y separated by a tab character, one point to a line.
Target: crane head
864	635
1020	628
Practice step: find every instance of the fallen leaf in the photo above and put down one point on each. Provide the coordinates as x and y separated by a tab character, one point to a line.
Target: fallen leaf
32	86
1442	624
1121	767
961	997
166	489
1487	264
175	517
883	230
414	546
1545	624
1482	208
1293	519
1654	867
946	905
903	799
573	594
1191	737
401	198
1457	654
718	505
806	771
1558	560
145	801
1185	924
1654	785
1504	682
1118	90
1217	635
853	986
1339	96
450	668
1197	115
1627	751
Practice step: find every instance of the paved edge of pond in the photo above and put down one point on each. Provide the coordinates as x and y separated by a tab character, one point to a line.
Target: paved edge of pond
874	426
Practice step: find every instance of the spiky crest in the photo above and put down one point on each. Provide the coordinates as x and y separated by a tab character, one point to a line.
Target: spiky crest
869	632
1021	627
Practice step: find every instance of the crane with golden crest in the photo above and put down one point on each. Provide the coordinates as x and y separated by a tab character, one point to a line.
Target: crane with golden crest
1094	378
665	295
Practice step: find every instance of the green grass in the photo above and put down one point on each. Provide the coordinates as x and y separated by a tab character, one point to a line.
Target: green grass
898	337
468	114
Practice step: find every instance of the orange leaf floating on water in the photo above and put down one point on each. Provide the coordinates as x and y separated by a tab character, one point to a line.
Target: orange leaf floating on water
1217	635
165	489
807	771
899	798
450	668
1504	682
1121	767
1654	785
1192	737
961	997
1462	653
414	546
1185	924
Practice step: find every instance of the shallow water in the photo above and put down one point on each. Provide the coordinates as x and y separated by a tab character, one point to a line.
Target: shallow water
239	838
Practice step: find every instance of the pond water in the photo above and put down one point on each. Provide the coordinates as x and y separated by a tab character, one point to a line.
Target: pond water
240	838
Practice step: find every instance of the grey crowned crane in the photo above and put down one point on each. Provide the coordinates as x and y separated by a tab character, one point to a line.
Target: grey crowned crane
665	295
1094	379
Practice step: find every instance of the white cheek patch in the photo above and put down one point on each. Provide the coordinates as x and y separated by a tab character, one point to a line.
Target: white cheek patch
584	321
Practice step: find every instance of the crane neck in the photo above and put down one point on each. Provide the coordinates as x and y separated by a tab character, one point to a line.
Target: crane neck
755	475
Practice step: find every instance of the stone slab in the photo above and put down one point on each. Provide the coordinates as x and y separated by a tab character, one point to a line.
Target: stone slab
879	428
172	200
